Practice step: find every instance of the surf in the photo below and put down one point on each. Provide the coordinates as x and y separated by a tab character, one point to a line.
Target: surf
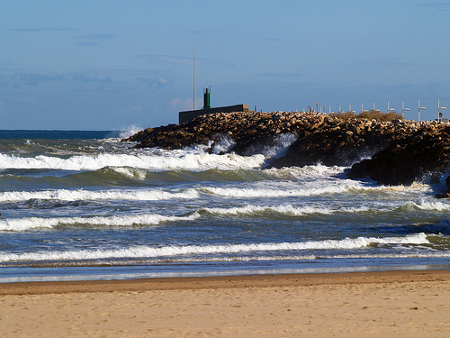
140	252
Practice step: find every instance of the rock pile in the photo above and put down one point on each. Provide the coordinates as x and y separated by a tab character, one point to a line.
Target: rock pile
406	159
402	150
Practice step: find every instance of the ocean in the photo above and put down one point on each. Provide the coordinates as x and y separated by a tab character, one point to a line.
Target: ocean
82	205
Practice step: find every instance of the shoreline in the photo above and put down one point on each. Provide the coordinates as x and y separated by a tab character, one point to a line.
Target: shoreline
401	303
217	282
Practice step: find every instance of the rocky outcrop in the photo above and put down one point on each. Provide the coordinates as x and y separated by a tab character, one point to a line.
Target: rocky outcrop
246	129
407	159
403	151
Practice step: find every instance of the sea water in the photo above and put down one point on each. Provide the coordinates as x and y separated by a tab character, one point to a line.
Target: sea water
84	205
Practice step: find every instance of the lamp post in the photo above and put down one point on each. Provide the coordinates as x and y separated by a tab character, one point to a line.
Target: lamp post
193	62
404	109
419	108
390	109
439	113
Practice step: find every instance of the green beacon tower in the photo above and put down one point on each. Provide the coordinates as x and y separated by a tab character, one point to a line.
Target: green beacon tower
206	98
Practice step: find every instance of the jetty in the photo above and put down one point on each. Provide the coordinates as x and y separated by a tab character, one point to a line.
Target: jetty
395	152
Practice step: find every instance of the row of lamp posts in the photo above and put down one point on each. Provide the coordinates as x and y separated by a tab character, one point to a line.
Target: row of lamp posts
419	108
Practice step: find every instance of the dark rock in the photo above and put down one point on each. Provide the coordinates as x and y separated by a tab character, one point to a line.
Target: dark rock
444	195
404	161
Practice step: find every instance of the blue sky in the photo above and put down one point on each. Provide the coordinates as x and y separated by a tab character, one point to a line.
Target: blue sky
102	65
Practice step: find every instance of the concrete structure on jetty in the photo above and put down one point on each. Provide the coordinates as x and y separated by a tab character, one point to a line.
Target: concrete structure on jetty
187	116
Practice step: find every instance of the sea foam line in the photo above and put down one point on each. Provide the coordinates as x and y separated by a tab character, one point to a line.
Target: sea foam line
428	206
309	171
302	191
309	189
29	223
288	209
169	251
256	193
80	194
288	257
282	209
166	161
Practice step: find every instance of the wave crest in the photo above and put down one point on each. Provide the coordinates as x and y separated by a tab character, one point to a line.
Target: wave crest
23	224
152	252
170	161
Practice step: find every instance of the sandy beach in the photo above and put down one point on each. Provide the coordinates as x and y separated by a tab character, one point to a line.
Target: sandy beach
400	303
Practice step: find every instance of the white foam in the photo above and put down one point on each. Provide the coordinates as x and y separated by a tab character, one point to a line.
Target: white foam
399	189
317	188
287	257
428	206
282	144
393	255
80	194
309	171
181	160
223	145
130	131
29	223
256	193
286	209
133	173
170	251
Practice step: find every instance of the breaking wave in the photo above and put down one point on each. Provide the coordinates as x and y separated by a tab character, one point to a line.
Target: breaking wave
129	131
77	195
171	251
23	224
292	190
184	160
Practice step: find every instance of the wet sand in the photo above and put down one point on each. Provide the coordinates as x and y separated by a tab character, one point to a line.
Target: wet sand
373	304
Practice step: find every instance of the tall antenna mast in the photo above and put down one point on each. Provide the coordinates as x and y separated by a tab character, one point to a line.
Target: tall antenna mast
194	77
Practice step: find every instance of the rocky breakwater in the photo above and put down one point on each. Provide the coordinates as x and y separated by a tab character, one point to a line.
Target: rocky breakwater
403	151
424	149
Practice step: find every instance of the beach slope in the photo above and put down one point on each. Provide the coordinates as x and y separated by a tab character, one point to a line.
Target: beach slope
374	304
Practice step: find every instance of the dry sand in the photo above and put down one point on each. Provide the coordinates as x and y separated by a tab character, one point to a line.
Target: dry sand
372	304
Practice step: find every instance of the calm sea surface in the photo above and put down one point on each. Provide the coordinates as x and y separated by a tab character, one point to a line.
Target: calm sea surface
83	205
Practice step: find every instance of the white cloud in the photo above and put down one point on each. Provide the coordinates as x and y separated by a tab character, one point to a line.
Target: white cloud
133	109
41	29
167	59
30	79
186	104
155	83
91	79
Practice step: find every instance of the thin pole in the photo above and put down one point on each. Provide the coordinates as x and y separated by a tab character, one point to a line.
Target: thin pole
194	77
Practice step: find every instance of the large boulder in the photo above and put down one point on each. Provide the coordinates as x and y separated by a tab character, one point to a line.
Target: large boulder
407	160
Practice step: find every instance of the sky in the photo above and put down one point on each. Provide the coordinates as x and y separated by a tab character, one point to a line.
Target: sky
112	64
